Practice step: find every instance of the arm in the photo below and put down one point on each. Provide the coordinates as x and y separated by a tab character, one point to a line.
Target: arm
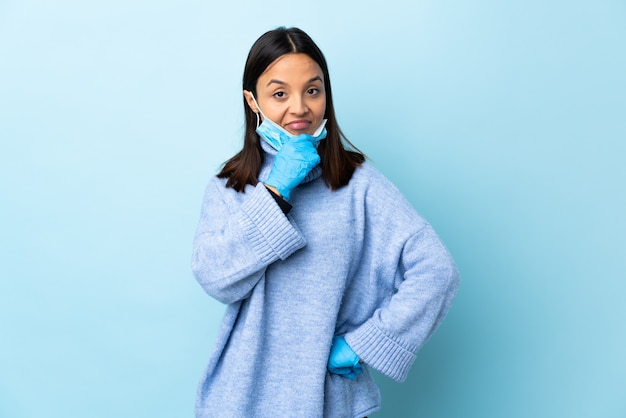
389	340
238	236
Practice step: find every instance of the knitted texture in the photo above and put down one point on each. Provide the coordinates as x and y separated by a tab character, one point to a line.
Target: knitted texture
358	262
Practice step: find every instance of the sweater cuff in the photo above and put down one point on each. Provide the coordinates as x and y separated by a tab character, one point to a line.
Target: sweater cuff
268	229
379	351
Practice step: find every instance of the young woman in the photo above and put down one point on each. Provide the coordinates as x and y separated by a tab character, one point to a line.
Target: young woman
325	268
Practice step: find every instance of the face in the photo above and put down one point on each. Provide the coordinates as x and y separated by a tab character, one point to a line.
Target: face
291	93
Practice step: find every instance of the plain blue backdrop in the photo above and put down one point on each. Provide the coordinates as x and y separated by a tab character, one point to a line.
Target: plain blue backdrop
504	123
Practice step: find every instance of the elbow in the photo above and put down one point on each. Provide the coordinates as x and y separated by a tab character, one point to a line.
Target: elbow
207	279
454	278
449	285
451	278
226	289
209	282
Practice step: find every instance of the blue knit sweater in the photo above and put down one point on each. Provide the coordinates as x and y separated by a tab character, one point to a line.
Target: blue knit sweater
358	261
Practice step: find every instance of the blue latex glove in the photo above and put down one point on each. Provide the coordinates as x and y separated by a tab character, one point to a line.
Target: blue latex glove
292	163
343	360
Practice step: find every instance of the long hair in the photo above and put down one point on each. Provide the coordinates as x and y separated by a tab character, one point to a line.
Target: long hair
337	162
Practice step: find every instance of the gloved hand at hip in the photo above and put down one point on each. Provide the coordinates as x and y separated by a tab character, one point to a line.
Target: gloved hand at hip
343	360
292	163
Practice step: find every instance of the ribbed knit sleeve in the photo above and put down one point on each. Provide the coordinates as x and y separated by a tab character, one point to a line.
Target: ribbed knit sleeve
389	339
269	231
380	351
238	236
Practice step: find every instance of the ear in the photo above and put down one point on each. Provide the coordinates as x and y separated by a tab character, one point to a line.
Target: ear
249	99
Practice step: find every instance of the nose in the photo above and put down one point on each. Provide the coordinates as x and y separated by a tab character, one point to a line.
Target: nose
298	105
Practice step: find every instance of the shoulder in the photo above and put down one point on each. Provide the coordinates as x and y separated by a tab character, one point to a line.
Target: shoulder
368	176
216	192
215	188
383	199
371	179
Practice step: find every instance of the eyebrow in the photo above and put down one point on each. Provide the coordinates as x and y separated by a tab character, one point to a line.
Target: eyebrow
274	81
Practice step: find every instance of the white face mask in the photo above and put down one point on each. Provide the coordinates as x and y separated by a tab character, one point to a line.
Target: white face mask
276	136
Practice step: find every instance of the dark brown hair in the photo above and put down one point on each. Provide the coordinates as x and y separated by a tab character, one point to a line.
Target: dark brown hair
337	162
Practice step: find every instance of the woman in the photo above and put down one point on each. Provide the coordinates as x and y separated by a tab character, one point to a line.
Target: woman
326	269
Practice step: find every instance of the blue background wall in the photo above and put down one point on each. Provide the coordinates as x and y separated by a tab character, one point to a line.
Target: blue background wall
503	123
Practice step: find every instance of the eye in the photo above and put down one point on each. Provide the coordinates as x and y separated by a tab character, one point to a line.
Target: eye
279	94
313	91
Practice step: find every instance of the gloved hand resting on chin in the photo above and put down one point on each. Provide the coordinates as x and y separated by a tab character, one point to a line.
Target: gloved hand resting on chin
292	163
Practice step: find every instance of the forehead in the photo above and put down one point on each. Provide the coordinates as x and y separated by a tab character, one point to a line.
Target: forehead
291	69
